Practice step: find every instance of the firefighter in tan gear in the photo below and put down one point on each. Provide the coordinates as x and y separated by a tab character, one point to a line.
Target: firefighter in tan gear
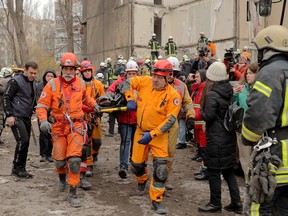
65	96
187	111
158	105
267	115
94	89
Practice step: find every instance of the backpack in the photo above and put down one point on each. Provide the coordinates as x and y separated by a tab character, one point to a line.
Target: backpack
233	117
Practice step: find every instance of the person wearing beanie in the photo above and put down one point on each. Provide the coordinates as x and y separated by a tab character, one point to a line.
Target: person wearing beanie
45	137
221	144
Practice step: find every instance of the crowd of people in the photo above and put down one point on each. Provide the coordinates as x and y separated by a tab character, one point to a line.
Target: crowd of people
168	103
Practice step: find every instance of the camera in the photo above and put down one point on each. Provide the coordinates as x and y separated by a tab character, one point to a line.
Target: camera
202	51
229	61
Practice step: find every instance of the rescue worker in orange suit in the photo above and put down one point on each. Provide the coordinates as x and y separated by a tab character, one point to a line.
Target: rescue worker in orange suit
94	89
65	96
158	105
212	47
186	116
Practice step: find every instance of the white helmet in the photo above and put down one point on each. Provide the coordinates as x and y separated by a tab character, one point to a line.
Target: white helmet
102	64
124	62
147	61
100	75
108	59
120	56
131	66
175	63
245	48
160	57
153	35
119	61
170	37
6	72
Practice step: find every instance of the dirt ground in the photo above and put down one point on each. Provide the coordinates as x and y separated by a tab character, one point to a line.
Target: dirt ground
110	195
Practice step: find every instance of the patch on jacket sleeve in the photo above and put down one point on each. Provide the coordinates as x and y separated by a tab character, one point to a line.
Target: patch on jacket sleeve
43	95
176	101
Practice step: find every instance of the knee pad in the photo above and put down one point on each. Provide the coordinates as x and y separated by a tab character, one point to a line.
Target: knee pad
60	164
160	172
138	169
74	164
96	143
86	152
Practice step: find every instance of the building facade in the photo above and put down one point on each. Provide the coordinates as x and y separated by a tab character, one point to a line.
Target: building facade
124	27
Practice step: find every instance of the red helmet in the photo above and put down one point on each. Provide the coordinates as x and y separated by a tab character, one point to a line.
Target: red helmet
140	62
69	60
86	65
162	68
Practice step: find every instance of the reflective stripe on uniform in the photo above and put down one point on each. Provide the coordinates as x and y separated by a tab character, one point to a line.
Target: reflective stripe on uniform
39	105
188	107
264	89
281	179
168	124
249	135
199	122
254	210
82	83
285	108
197	106
284	169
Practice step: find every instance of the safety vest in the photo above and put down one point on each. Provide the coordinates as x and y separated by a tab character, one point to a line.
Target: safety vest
153	45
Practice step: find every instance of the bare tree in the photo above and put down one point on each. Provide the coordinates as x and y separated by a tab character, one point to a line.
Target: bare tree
15	11
48	10
67	16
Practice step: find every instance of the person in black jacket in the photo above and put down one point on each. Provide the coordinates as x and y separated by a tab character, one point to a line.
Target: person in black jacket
221	145
45	137
19	102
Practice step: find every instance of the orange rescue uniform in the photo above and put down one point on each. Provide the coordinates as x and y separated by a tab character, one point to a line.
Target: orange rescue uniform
157	111
65	101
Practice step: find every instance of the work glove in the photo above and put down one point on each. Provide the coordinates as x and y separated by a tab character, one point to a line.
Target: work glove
45	126
97	108
190	123
256	190
131	105
145	139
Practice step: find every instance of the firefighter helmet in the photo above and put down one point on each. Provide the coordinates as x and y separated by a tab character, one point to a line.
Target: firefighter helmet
160	57
175	63
86	65
170	38
102	64
273	37
6	72
131	66
153	35
69	60
162	68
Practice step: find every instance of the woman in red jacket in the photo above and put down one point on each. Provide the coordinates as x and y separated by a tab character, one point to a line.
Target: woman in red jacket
240	67
199	128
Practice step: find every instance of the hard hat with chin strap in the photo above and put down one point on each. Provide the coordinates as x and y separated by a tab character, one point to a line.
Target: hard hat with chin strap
162	68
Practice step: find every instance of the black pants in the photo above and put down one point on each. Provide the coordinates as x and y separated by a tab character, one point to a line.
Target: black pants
45	143
112	118
21	131
154	55
215	185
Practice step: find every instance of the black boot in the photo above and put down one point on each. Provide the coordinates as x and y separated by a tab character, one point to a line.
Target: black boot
209	208
62	182
181	146
159	208
234	207
73	198
141	188
21	173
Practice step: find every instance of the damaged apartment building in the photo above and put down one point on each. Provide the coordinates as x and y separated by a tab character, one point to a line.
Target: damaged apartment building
114	27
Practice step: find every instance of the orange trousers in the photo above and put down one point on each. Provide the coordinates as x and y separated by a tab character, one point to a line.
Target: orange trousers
66	145
96	138
159	149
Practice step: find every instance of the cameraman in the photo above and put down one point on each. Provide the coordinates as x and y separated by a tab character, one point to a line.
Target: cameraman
239	68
